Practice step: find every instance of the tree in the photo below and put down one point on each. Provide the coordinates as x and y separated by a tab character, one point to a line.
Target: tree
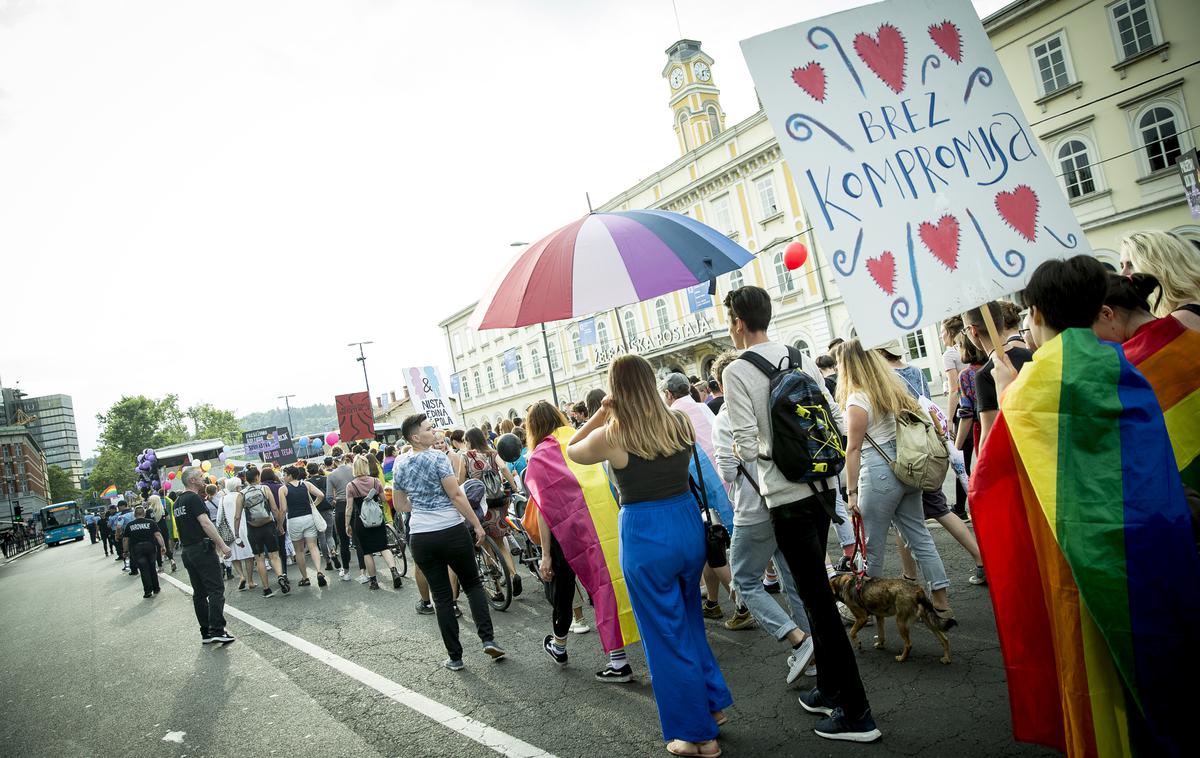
114	467
214	423
133	424
62	488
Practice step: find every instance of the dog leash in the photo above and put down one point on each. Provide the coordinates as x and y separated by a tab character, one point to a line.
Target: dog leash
860	550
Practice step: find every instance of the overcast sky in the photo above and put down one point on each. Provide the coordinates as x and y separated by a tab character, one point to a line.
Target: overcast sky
180	179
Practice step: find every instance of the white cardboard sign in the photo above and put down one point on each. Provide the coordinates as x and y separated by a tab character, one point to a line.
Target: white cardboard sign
429	395
920	176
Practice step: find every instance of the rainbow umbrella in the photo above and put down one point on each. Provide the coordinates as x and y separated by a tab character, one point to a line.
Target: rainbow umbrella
605	260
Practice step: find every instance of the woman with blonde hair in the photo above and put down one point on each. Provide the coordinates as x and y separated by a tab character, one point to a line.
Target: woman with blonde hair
1175	263
372	539
158	514
872	394
648	448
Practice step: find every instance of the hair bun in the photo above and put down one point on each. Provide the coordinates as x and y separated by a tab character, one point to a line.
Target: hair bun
1144	285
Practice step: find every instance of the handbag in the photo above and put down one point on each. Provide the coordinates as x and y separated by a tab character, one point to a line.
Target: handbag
318	519
223	528
716	536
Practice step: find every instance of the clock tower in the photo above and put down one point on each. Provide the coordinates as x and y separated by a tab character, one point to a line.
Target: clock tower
695	99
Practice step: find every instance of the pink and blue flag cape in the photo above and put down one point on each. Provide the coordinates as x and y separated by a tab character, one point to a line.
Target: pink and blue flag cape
580	507
604	260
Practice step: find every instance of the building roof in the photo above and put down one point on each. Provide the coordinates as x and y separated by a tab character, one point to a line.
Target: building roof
189	448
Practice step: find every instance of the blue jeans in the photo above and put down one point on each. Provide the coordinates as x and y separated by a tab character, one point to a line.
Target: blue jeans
884	500
662	556
752	548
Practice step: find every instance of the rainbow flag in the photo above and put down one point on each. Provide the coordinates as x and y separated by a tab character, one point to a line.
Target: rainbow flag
579	505
109	491
1165	351
1087	539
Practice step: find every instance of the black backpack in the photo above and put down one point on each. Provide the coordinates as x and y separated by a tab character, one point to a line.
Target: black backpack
806	445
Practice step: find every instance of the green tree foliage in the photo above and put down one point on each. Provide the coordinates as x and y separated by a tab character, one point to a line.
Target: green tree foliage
133	424
113	467
214	423
306	420
62	488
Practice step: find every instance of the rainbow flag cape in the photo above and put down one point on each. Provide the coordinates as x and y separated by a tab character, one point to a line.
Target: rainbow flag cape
1087	540
1166	351
109	491
580	507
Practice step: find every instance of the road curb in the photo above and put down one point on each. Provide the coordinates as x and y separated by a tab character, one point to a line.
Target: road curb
22	555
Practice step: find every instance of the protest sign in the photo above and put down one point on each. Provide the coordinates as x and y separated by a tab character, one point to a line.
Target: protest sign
258	441
285	449
426	389
356	419
924	184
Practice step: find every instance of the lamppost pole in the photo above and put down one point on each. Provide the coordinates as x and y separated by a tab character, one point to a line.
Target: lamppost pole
362	358
288	405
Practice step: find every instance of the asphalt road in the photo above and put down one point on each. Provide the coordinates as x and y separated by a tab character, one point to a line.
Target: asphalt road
92	669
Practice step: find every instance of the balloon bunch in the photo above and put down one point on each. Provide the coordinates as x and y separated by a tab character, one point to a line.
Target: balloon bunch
147	469
224	453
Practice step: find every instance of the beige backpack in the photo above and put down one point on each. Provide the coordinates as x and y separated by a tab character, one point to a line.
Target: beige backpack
922	458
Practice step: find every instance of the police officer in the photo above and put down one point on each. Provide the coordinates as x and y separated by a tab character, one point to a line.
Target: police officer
139	540
201	545
123	517
106	530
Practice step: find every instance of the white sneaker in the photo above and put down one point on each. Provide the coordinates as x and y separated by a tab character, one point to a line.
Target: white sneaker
580	627
800	659
345	577
811	670
363	578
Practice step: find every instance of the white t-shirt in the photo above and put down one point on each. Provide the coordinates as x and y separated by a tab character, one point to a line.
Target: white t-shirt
882	429
951	360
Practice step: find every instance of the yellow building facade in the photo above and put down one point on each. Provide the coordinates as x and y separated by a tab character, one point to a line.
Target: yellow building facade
1111	91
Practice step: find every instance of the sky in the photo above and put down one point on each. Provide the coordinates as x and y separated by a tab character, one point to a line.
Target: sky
214	198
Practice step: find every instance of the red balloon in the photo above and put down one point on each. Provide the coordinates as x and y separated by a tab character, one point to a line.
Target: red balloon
794	255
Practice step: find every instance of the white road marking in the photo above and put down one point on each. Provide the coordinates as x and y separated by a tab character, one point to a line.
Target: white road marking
174	737
473	729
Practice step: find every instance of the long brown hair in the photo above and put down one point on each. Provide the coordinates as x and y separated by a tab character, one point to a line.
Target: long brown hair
866	372
640	423
543	419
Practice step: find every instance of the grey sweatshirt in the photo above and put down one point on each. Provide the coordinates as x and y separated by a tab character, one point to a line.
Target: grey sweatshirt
747	403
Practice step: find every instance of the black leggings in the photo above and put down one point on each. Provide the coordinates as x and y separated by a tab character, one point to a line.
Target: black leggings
562	590
342	537
438	553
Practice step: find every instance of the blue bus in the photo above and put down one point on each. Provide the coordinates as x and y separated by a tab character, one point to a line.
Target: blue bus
62	522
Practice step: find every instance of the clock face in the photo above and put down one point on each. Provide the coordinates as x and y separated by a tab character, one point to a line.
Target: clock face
700	69
677	78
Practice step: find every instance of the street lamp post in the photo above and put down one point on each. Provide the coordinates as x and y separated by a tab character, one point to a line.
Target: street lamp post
288	405
362	358
546	345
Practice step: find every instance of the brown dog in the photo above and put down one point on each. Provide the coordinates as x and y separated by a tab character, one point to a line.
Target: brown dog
889	597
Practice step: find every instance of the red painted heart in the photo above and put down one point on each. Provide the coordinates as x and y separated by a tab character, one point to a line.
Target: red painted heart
945	35
884	54
811	79
883	271
942	240
1019	210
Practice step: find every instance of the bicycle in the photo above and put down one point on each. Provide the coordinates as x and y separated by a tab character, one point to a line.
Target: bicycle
494	574
527	551
397	545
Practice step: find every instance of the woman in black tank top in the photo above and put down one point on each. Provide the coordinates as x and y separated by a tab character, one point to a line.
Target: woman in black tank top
648	448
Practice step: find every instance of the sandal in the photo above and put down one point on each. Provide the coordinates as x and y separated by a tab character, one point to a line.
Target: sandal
946	616
698	752
720	718
304	582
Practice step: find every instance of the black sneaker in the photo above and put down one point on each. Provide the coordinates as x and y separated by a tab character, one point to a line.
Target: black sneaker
494	650
328	565
397	582
148	594
268	592
516	585
548	646
206	638
424	608
322	581
616	676
838	726
457	611
157	590
373	584
814	702
285	584
337	564
224	638
845	565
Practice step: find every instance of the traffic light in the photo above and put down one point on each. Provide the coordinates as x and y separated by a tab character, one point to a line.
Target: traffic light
17	513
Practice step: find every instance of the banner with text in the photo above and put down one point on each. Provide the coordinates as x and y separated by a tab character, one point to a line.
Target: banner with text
356	419
427	390
698	297
912	156
259	441
285	452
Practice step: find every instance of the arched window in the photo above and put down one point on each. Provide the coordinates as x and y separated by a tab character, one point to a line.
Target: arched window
602	333
1076	165
630	324
1159	132
683	129
535	360
553	353
786	283
491	377
466	388
661	314
577	346
736	280
478	386
520	367
714	121
802	345
504	380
